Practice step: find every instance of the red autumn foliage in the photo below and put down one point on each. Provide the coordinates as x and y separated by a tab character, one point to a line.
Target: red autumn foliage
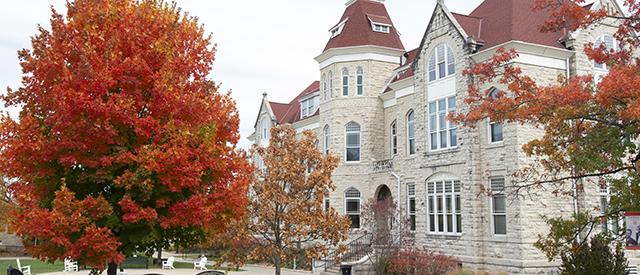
422	262
123	144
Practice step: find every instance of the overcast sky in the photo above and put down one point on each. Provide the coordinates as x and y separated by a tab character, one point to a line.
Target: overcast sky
263	46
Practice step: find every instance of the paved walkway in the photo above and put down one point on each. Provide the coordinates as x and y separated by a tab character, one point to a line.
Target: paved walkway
246	270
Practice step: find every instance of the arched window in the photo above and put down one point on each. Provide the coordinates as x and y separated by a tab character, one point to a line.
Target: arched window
610	45
444	206
352	142
264	127
326	132
352	206
495	128
442	63
360	81
324	86
394	138
345	82
330	76
411	133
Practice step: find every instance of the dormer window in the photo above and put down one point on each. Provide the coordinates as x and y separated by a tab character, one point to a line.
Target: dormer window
337	29
308	107
381	28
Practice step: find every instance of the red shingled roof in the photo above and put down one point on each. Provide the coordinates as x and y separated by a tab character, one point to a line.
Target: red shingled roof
409	56
290	113
357	30
499	21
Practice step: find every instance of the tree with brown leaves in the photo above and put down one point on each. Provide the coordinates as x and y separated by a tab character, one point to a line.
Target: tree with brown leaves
287	219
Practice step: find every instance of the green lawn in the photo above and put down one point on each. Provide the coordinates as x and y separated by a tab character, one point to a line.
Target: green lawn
37	267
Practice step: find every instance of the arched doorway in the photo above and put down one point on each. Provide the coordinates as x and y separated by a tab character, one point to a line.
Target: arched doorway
384	211
383	192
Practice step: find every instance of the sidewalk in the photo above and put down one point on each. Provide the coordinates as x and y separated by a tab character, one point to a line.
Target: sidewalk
246	270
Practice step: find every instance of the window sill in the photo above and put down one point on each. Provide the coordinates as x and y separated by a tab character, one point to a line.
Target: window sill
493	145
442	151
444	236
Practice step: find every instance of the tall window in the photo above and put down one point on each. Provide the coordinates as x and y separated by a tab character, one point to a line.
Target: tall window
495	128
345	82
609	224
498	206
360	81
443	133
610	45
443	202
352	205
442	63
330	76
324	86
264	127
326	132
411	205
411	133
394	138
353	141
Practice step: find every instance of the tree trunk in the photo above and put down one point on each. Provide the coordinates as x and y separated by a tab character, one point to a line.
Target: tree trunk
276	264
159	254
112	269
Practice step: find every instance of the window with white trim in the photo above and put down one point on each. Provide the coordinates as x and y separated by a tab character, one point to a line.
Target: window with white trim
442	63
327	139
352	142
411	205
330	76
352	206
609	224
264	127
495	128
443	133
411	133
360	81
610	44
394	138
498	206
345	82
443	203
324	86
307	107
381	28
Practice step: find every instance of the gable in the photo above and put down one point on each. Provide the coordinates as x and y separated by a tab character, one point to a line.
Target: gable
442	22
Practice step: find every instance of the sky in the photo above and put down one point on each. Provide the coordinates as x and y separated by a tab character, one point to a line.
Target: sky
263	46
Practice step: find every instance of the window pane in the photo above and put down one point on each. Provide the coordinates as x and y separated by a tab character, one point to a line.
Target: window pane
459	223
450	223
443	139
353	154
432	107
353	140
413	222
432	223
442	120
452	103
454	137
499	204
496	132
434	141
353	206
433	122
412	146
442	70
412	205
500	225
355	221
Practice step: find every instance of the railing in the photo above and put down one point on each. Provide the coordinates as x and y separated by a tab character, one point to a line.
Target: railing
383	165
356	250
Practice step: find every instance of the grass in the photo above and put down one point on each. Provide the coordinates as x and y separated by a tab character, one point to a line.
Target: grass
37	267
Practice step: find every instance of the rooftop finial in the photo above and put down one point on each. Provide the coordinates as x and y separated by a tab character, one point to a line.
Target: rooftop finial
264	95
441	2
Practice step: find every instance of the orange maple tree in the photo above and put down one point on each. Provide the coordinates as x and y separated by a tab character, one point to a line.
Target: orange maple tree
123	144
591	125
286	217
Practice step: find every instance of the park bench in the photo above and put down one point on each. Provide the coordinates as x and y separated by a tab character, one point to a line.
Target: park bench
211	272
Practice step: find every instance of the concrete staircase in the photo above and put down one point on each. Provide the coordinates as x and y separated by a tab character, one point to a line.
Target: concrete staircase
356	255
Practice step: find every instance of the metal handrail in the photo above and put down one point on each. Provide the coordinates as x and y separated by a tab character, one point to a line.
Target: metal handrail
356	250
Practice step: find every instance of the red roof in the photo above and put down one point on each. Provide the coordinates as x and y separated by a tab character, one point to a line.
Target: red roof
290	113
357	30
409	56
499	21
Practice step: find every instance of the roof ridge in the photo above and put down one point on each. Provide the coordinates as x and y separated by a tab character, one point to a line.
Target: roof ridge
466	15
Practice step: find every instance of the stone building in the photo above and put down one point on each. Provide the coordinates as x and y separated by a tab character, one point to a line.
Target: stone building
383	111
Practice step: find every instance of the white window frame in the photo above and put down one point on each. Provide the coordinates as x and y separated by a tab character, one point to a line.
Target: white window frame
450	129
433	64
345	82
359	81
411	195
346	145
264	127
494	195
327	139
432	195
394	137
353	213
410	138
610	224
493	94
383	28
324	86
330	76
602	40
